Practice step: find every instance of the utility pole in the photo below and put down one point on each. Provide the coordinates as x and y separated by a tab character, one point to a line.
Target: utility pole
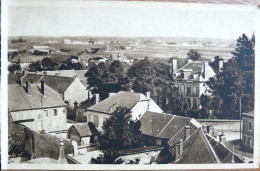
240	120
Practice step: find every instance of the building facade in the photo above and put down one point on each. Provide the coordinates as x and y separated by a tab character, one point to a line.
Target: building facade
190	80
38	107
248	129
136	102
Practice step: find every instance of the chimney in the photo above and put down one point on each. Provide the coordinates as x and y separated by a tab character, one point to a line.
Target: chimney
220	65
148	95
42	87
206	66
211	130
187	131
25	72
27	87
181	147
233	156
75	104
19	82
177	151
221	137
97	98
174	65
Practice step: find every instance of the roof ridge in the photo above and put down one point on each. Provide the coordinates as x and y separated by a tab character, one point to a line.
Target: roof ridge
166	126
211	148
189	146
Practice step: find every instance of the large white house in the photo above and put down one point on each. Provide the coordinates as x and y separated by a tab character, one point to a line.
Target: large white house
136	102
37	106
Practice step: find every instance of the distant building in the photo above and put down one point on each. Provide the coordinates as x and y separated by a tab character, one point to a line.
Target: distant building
248	129
137	102
37	106
84	134
40	49
190	80
121	58
97	60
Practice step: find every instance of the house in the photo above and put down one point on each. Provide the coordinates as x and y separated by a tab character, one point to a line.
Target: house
248	129
25	61
40	49
190	80
161	127
136	102
71	89
37	106
184	140
83	133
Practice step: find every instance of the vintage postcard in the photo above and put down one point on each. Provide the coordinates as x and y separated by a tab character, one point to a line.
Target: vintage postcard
134	85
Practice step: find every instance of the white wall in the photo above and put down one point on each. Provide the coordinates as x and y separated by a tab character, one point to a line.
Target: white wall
76	91
43	119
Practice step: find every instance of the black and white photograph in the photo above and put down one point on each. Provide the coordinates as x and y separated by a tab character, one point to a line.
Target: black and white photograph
144	85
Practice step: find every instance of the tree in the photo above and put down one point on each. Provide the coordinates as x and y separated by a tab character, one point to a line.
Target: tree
69	65
14	67
48	64
215	64
35	66
245	52
226	89
119	132
193	55
105	78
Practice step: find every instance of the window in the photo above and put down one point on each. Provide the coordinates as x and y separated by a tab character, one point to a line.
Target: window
45	113
189	103
244	139
182	89
195	104
250	126
96	122
194	90
188	90
55	113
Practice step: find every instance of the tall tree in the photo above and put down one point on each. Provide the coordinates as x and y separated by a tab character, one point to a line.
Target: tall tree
35	66
227	87
193	55
48	64
105	78
120	132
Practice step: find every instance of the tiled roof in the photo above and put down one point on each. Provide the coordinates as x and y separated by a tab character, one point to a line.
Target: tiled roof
59	84
18	99
120	99
176	124
85	129
12	79
197	150
195	71
31	77
163	125
156	120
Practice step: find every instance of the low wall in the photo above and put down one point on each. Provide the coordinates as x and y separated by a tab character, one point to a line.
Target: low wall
46	145
230	128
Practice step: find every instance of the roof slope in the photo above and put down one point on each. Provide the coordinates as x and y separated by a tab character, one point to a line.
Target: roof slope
153	123
176	124
249	113
18	99
120	99
85	129
59	84
197	150
13	79
32	78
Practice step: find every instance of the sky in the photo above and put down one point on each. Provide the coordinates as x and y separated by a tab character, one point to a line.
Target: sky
134	19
